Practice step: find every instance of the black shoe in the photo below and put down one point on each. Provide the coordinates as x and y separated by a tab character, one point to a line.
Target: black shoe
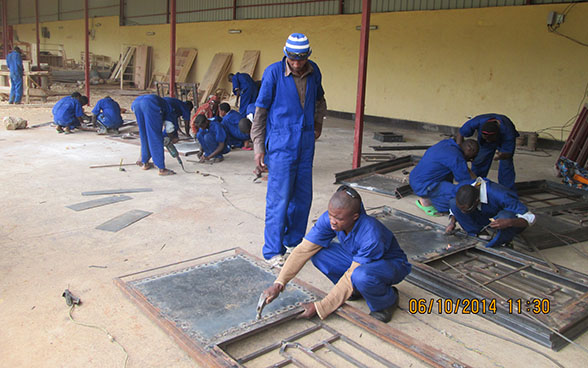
385	315
356	295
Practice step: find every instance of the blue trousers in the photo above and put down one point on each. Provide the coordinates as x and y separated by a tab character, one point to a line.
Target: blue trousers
441	194
373	280
209	144
235	138
473	222
244	101
483	161
150	124
107	123
15	87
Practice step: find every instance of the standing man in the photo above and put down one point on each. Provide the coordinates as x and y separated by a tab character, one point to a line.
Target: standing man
245	88
364	263
14	62
495	133
106	114
288	119
155	120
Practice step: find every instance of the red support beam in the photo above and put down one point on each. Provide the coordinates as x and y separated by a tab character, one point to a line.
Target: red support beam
87	51
234	9
172	45
37	31
5	28
361	80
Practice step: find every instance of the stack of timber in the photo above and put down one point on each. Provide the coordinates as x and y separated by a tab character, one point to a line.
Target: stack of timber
219	67
142	70
122	65
185	58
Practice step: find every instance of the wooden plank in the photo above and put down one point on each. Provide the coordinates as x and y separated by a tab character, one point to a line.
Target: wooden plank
122	65
218	68
185	58
141	75
249	62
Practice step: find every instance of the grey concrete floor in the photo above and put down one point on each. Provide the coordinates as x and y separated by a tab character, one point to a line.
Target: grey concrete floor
46	247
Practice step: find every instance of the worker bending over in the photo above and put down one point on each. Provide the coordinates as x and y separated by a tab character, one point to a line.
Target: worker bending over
484	204
212	138
106	114
230	122
68	112
245	88
14	63
366	261
180	109
156	121
432	178
495	133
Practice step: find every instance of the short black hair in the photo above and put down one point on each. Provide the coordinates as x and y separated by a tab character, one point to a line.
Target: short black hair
83	100
190	105
76	95
230	77
224	107
490	127
467	195
200	120
245	126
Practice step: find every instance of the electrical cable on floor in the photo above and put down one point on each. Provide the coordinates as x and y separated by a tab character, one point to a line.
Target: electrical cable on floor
560	236
110	337
237	208
547	154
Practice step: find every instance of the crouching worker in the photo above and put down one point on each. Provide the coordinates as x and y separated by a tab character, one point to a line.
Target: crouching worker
106	115
68	112
366	262
212	138
484	204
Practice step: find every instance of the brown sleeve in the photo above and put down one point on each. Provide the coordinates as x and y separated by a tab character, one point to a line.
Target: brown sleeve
338	294
320	111
300	255
258	130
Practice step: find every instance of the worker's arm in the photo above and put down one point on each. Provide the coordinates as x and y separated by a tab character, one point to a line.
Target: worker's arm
320	111
450	229
459	138
218	150
503	223
502	156
258	136
472	175
297	259
338	294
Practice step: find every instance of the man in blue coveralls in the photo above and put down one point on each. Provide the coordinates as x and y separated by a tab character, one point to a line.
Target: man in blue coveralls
495	133
14	63
68	112
288	119
484	204
181	109
245	87
230	122
155	120
106	114
212	138
432	178
366	261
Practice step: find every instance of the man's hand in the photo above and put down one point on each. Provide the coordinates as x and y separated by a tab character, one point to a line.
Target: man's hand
309	311
259	165
203	158
273	292
450	229
502	156
501	223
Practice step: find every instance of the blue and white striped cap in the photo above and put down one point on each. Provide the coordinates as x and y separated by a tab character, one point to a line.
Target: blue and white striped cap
297	47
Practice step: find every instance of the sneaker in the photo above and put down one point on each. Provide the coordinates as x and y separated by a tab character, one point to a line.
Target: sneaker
385	315
356	295
277	260
59	129
216	160
102	130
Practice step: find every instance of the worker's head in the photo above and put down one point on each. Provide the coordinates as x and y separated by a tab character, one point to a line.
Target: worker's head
467	198
223	109
490	130
17	49
297	50
245	126
189	105
201	122
470	148
76	95
230	77
83	100
344	209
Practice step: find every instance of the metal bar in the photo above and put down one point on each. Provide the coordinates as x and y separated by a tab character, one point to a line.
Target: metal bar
507	274
380	167
87	51
117	191
172	45
361	82
400	148
234	9
536	250
124	220
305	350
121	13
345	356
5	28
98	202
37	34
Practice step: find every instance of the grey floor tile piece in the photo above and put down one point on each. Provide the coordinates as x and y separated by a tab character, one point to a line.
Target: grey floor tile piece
98	202
117	191
124	220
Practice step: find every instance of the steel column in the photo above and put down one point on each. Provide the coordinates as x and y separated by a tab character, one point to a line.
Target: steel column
5	28
234	9
37	31
363	58
87	51
172	45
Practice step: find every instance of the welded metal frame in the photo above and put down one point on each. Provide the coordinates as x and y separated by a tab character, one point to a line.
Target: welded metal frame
458	283
213	355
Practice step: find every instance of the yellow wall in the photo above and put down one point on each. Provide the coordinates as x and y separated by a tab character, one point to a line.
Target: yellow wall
431	66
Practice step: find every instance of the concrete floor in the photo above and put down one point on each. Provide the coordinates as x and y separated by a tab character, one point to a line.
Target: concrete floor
46	247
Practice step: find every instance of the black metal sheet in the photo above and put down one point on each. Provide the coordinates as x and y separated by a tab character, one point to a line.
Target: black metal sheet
380	184
216	302
117	191
98	202
124	220
388	137
377	168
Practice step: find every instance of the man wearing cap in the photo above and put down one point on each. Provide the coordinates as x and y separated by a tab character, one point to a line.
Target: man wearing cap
245	87
288	119
14	63
495	133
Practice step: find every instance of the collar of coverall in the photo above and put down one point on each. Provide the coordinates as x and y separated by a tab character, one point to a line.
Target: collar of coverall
308	69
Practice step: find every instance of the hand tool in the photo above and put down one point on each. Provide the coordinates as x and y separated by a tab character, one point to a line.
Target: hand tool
70	299
261	303
167	142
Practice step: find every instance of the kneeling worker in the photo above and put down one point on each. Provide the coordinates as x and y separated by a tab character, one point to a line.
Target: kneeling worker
484	204
366	262
106	114
212	138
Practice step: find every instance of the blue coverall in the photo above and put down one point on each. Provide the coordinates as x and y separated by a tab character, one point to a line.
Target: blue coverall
179	108
151	111
211	137
499	202
235	138
247	90
14	62
506	143
67	111
107	113
433	176
289	146
372	245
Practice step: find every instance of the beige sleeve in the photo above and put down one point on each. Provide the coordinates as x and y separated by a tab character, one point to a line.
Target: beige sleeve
300	255
258	130
338	294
